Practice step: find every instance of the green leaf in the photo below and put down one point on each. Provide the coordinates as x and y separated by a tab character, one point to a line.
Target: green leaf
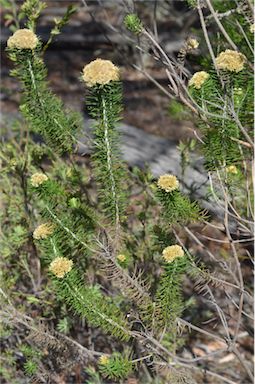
116	366
8	17
30	367
33	300
63	326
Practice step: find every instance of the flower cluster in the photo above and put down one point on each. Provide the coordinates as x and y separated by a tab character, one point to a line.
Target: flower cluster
172	252
168	183
231	61
121	258
100	72
198	79
192	44
43	231
103	360
232	169
37	179
61	266
23	39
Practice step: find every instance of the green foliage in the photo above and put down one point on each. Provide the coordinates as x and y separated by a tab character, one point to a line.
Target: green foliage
192	3
176	110
118	366
31	9
237	19
27	13
162	237
30	367
43	110
222	133
177	208
226	99
133	23
15	238
89	302
7	367
185	148
28	351
94	377
63	325
105	105
74	222
11	17
59	24
122	298
32	357
169	302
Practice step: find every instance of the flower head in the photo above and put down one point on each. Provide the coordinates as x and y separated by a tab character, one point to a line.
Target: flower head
61	266
103	360
23	39
192	44
238	91
43	231
100	72
198	79
231	60
121	258
232	169
172	252
252	28
168	183
38	178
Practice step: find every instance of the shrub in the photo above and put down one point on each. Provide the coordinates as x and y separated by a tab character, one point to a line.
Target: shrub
123	274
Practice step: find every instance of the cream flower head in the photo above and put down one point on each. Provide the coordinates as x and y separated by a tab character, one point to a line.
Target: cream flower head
172	252
103	360
252	28
121	258
231	60
198	79
23	39
38	178
192	44
43	231
100	72
232	169
168	183
61	266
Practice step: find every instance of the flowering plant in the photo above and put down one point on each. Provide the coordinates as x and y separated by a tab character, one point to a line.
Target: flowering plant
121	270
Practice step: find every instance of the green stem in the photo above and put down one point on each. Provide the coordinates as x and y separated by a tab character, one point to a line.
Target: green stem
75	292
109	166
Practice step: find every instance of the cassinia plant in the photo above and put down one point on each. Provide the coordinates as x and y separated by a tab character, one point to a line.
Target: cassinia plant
78	232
